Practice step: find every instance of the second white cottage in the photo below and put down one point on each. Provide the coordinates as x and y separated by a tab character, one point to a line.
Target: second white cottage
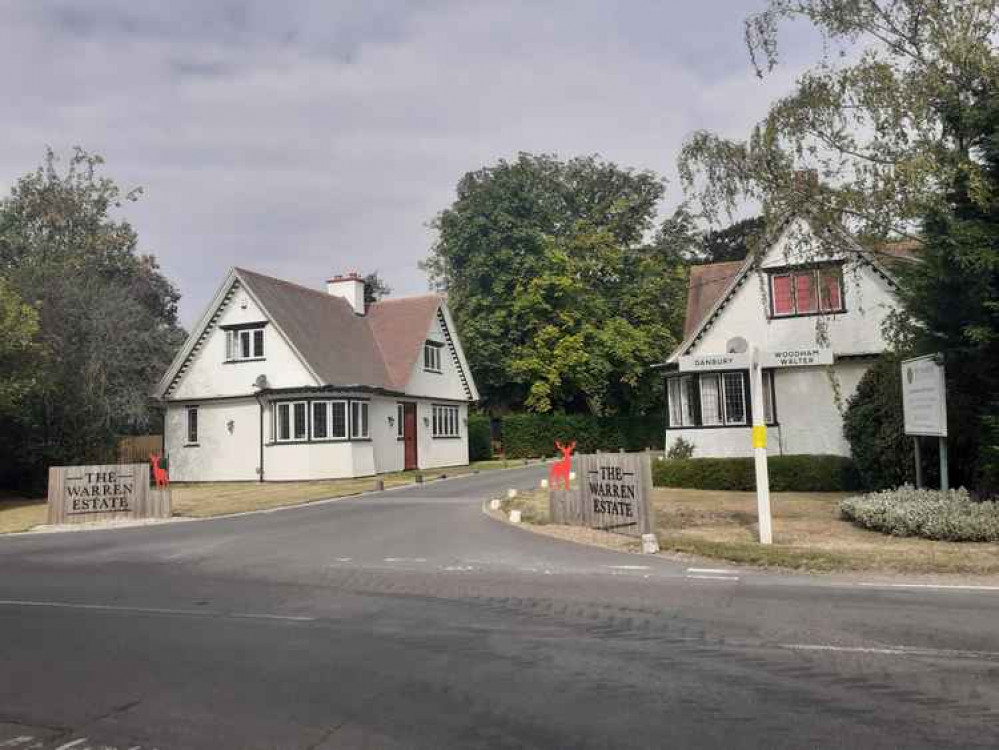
281	382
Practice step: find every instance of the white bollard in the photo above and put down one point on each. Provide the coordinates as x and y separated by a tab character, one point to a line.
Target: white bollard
514	516
650	545
572	476
544	484
494	504
511	494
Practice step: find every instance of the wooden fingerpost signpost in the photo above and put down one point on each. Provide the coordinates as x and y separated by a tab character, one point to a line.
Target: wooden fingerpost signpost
614	493
755	362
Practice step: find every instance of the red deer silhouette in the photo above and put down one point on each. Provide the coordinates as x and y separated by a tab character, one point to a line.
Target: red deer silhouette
561	467
159	474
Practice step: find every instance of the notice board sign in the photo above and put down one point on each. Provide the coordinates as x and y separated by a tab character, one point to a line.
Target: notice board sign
83	494
616	492
924	396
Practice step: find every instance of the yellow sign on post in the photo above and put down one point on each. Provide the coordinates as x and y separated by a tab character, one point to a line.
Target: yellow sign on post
760	436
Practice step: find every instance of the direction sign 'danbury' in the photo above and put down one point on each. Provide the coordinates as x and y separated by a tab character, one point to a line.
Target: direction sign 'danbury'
705	362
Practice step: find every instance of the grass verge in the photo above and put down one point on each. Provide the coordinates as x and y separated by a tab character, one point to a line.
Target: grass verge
205	500
809	535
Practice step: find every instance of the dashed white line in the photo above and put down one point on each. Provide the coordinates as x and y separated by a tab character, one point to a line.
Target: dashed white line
894	651
406	559
628	567
940	586
74	743
716	571
344	559
711	578
153	610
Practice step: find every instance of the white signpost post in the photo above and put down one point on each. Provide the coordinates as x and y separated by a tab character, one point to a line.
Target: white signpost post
924	404
755	362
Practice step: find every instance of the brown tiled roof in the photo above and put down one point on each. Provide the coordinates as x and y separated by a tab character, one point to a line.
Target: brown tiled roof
705	286
376	350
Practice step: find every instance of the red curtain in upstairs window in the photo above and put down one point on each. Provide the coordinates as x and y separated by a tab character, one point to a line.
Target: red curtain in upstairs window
832	289
804	290
783	299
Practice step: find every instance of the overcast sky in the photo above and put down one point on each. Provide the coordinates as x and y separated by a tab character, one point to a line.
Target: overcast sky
301	139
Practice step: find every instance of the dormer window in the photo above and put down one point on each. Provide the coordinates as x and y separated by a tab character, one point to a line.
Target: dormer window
244	342
432	356
806	291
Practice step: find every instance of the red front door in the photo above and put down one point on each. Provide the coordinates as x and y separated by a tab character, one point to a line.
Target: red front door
409	434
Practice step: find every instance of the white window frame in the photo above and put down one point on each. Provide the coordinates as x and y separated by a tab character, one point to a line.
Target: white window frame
719	395
432	357
234	339
328	406
188	413
682	412
768	397
292	422
681	407
446	421
360	422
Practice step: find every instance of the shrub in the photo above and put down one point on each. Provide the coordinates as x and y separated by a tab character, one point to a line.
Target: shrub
873	425
680	449
933	514
480	439
530	435
787	474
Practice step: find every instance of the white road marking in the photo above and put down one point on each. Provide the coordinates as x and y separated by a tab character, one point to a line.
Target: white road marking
716	571
941	586
23	739
405	559
711	578
74	743
458	567
344	559
628	567
894	651
153	611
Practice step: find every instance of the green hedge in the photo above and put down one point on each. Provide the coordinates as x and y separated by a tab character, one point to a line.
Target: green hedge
787	474
532	435
480	439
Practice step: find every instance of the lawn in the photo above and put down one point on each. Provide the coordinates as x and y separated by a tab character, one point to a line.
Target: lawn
222	498
808	534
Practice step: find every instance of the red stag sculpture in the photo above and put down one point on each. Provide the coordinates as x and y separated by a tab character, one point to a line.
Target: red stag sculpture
159	474
561	467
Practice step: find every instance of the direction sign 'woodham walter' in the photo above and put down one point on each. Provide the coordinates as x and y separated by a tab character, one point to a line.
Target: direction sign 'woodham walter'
83	494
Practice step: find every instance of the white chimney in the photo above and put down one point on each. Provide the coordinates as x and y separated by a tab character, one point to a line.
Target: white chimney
351	288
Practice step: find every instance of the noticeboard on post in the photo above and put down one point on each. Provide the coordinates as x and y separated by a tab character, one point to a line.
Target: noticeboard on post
924	396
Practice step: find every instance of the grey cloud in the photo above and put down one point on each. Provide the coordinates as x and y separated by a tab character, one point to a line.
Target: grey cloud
306	138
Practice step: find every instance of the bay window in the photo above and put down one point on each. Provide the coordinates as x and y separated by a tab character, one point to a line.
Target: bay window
292	421
358	420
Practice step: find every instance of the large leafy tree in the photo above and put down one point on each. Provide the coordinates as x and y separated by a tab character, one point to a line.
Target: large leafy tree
19	350
897	122
734	242
561	301
107	317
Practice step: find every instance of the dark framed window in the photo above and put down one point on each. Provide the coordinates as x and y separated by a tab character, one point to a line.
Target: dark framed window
244	343
432	356
292	421
806	291
329	420
400	420
715	399
445	421
192	425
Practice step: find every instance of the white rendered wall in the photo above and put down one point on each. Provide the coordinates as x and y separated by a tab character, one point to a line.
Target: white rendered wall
443	385
220	455
722	442
388	449
439	452
209	375
867	296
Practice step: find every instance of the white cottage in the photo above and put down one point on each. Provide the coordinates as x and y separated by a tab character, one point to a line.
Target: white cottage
281	382
775	304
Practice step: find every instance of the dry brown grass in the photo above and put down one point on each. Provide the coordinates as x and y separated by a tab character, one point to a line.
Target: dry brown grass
808	534
20	514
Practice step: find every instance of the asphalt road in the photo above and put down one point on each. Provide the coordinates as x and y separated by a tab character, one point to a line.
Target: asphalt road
411	620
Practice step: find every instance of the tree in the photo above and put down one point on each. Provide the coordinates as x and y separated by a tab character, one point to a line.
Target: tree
19	350
897	122
375	288
560	301
734	242
107	317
